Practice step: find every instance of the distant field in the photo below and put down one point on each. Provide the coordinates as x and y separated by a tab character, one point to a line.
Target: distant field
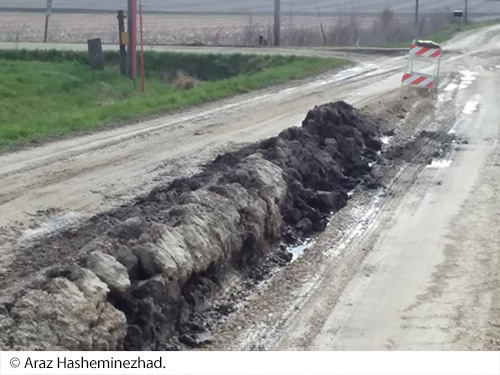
231	22
216	29
159	28
245	6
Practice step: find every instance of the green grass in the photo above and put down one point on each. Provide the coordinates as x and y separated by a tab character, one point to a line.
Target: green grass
43	100
443	35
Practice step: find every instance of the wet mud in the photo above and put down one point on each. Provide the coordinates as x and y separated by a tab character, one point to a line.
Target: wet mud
153	267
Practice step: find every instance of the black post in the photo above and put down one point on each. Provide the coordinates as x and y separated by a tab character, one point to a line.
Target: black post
48	13
46	33
123	50
132	32
416	12
466	16
277	22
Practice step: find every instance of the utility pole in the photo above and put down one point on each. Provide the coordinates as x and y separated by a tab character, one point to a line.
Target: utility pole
466	15
321	24
277	22
416	12
132	39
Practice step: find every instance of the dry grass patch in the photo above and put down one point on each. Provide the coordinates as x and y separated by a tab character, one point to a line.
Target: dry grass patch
184	81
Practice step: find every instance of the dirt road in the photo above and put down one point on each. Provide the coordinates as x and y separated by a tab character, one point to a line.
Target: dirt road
430	281
49	187
414	267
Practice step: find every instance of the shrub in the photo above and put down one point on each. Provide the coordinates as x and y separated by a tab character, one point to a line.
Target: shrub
184	81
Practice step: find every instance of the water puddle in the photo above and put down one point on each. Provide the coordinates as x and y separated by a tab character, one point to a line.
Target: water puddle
440	163
452	86
299	250
447	94
365	218
386	140
471	107
467	79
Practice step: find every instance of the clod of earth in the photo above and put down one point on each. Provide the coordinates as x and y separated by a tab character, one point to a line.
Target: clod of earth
144	273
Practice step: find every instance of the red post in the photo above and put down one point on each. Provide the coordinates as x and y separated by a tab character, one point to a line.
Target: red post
143	78
134	38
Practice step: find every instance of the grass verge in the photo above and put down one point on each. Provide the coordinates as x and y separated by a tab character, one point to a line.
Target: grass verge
50	96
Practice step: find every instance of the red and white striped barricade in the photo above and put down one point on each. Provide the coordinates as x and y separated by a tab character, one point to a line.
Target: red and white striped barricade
430	54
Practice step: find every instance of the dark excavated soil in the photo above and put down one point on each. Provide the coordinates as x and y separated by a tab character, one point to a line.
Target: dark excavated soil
414	150
321	162
333	152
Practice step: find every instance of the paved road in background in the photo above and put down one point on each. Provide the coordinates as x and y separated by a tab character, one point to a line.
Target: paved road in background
316	51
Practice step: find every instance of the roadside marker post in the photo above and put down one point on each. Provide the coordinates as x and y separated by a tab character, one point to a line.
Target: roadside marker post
123	36
427	52
459	14
48	13
132	34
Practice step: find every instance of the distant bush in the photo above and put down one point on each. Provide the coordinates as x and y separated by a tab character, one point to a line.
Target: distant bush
44	55
353	30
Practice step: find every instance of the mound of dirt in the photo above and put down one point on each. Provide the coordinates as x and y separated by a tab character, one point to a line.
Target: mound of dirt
153	266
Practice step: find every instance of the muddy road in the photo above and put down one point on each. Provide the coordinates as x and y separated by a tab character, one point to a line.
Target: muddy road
46	188
413	266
